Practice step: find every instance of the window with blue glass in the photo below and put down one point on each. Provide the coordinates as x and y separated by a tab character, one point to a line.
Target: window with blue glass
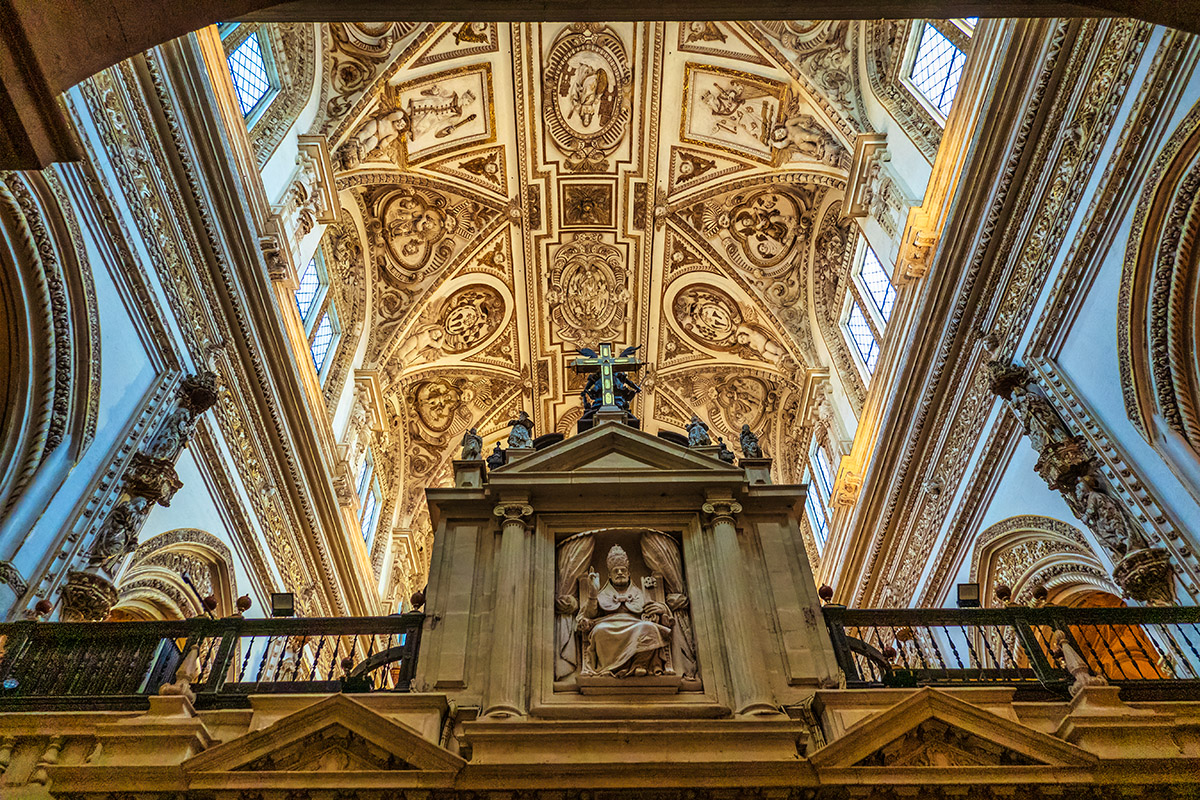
318	316
821	472
252	77
323	337
876	283
862	336
308	290
937	66
370	512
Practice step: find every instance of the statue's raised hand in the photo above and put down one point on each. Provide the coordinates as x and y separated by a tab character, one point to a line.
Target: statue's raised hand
593	583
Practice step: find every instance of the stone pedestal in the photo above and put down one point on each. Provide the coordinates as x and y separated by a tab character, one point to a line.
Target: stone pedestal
87	597
468	474
710	450
517	453
758	470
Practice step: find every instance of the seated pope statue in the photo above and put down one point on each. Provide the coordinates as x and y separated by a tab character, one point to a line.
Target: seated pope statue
628	633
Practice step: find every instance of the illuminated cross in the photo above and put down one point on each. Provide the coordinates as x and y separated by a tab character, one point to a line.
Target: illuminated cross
607	364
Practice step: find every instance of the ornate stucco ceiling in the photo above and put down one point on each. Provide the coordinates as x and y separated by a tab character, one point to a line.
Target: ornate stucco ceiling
513	192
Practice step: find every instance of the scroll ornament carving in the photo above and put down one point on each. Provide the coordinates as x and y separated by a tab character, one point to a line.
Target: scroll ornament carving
589	292
823	50
1066	463
721	510
586	88
459	324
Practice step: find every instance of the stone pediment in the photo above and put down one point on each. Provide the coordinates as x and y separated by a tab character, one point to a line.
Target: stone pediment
618	448
336	735
933	729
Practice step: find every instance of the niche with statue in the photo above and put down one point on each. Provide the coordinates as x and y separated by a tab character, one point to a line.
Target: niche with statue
621	614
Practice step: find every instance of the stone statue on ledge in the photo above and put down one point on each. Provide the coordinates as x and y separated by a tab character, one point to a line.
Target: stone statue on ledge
1039	419
698	433
749	442
472	445
723	451
521	435
497	458
626	634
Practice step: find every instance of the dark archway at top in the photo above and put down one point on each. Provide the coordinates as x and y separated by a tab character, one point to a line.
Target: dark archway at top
48	47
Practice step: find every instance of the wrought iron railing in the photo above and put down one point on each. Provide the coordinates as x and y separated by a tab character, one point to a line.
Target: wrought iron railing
1149	651
120	664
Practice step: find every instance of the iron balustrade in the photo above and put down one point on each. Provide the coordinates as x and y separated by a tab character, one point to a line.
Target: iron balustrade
99	665
1149	652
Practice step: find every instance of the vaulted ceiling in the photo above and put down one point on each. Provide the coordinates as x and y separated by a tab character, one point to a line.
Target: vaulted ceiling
514	192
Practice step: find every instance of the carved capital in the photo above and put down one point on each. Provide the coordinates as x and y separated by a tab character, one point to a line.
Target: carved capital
1147	577
1004	377
513	513
721	510
87	597
845	491
1062	463
916	250
200	392
152	478
277	265
343	484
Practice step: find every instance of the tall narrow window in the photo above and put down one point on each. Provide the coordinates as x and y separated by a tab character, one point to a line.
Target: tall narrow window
877	284
251	78
821	471
937	68
322	341
862	336
370	512
308	290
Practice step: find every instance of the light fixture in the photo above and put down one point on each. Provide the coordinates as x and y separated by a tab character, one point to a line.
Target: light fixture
283	604
968	595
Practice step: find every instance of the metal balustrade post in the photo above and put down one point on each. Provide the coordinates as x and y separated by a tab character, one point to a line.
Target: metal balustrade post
223	659
837	635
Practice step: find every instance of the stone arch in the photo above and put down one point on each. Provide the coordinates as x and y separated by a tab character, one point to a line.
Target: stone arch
49	333
1025	551
1157	331
153	586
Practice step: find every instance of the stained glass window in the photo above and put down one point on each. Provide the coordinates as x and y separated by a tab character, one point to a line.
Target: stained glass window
875	280
862	336
309	288
937	68
249	70
322	338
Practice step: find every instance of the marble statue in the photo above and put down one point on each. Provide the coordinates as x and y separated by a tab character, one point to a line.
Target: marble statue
749	442
521	435
723	451
1107	518
627	634
472	446
497	458
698	433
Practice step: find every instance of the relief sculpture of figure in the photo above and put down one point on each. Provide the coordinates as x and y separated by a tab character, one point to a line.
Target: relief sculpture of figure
173	435
1107	518
698	433
472	445
1039	418
628	635
750	445
521	435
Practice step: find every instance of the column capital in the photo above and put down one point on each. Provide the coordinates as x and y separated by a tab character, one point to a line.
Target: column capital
721	509
514	512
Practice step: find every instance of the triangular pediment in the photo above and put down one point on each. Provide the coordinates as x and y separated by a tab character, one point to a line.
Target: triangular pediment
616	448
334	735
931	728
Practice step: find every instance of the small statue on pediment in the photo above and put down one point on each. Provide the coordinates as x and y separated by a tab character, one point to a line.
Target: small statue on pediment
521	435
497	458
749	441
472	445
723	451
698	433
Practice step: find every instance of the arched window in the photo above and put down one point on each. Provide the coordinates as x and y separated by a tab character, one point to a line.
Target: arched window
938	56
868	307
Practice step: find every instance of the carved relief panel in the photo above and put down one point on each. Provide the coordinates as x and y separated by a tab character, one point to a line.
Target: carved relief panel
622	618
